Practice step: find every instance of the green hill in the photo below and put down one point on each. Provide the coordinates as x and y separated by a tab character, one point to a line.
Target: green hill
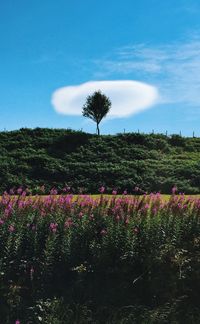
59	157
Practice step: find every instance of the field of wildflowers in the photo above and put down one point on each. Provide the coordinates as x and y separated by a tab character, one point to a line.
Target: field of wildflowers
127	259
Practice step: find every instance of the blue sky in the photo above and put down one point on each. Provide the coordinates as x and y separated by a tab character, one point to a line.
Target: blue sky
47	45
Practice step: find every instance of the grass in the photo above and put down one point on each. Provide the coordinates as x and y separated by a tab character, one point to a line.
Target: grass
165	197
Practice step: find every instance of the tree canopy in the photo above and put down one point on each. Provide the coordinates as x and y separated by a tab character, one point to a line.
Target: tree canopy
96	107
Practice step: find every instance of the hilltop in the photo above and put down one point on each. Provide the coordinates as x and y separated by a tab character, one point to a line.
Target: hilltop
60	157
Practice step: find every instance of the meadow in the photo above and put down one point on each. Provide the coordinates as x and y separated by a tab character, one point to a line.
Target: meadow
102	259
73	253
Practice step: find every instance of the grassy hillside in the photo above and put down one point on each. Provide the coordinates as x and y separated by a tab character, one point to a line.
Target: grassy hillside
59	157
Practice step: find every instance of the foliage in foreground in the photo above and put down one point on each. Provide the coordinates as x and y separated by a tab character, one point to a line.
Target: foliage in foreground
60	157
83	260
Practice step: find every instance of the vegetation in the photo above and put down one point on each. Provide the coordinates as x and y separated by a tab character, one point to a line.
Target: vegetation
124	260
96	108
75	259
65	158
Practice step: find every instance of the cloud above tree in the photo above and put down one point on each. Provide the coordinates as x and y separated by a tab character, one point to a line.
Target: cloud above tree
128	97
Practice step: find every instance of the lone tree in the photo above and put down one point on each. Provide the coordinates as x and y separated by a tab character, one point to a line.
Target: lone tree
96	107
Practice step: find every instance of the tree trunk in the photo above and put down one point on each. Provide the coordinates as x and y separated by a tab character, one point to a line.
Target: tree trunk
98	132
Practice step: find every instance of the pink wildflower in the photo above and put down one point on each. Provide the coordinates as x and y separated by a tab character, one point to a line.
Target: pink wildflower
103	232
114	192
1	221
126	220
68	223
11	228
117	218
17	322
66	189
21	204
91	217
19	191
174	190
53	191
154	210
24	193
136	230
43	212
11	192
80	215
53	227
102	189
8	210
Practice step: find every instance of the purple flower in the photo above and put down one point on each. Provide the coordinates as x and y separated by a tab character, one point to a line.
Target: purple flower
154	210
42	212
66	189
91	217
11	228
53	227
24	193
102	189
11	192
174	190
8	210
80	215
126	220
53	191
69	223
103	232
136	230
19	191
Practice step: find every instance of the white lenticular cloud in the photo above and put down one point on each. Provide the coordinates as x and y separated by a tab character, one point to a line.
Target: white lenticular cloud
127	97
